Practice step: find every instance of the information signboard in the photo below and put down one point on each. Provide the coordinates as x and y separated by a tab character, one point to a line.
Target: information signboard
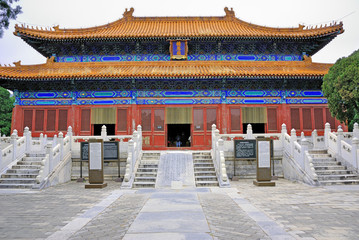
110	150
84	151
245	149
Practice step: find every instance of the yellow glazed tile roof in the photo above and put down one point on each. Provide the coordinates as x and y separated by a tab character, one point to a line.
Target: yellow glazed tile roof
167	69
178	27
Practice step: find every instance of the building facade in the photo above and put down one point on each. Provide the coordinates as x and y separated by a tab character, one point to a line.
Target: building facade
176	76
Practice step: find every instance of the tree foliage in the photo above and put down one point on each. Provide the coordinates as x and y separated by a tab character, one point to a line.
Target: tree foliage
340	87
6	106
7	12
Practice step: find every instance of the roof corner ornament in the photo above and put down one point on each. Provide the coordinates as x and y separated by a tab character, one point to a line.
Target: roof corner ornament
128	14
229	13
17	64
50	60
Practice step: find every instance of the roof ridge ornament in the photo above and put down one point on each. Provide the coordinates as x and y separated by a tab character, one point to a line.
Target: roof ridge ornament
56	28
128	14
229	13
17	64
50	60
307	59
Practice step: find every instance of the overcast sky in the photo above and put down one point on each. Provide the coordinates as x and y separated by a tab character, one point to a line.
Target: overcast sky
273	13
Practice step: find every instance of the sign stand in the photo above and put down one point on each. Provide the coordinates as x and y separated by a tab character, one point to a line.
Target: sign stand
96	176
84	156
264	176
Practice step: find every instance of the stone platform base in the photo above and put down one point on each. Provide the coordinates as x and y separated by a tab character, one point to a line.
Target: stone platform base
264	183
103	185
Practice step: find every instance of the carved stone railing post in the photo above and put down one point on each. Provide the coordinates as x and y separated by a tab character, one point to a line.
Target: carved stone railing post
27	136
69	133
315	138
50	152
14	144
214	127
45	142
283	132
54	141
104	132
61	142
139	132
339	140
355	147
293	138
356	130
302	136
41	140
305	147
327	130
249	132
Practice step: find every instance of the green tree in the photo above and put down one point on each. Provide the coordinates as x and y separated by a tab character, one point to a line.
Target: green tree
340	87
6	106
7	12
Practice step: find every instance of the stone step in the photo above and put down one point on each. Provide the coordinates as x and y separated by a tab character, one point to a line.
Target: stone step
207	183
17	175
200	169
36	155
145	179
148	166
144	184
330	163
332	167
321	155
18	180
146	174
35	159
147	169
203	165
205	173
26	167
318	151
324	160
150	158
338	177
201	157
332	172
205	178
28	163
23	171
334	182
14	185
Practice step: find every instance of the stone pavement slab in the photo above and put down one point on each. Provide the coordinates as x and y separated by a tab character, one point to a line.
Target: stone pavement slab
171	212
289	210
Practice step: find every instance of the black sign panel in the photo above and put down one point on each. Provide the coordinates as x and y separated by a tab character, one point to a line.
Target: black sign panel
84	151
110	150
245	148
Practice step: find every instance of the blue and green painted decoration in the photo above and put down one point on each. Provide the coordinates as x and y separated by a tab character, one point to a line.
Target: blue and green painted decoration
171	97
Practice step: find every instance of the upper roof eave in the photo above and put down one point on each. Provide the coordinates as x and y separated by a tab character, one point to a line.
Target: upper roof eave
173	27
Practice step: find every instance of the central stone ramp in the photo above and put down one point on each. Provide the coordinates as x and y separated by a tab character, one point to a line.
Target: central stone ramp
175	166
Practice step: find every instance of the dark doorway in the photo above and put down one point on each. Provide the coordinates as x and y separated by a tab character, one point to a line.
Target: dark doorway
182	132
256	127
97	129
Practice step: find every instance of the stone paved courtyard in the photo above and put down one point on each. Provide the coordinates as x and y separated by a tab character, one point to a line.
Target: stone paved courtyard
288	211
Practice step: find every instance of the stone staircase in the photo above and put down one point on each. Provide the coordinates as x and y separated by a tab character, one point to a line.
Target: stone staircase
204	171
24	173
330	171
146	174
